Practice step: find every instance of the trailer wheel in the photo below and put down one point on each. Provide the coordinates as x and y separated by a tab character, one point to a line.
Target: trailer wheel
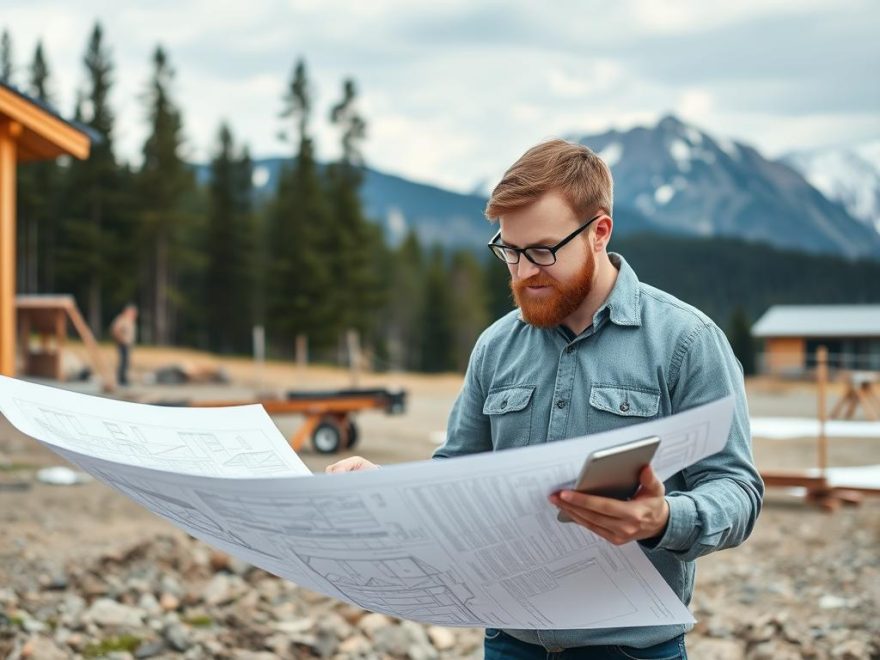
353	435
327	438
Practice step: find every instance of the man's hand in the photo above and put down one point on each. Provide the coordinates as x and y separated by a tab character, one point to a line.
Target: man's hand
351	464
643	517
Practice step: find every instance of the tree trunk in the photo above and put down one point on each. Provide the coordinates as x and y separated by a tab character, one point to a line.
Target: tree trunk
160	310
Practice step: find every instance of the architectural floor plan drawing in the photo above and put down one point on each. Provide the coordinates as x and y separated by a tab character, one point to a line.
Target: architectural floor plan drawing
221	441
469	541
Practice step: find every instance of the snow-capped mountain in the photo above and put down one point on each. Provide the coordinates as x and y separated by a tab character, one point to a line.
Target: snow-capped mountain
681	179
850	176
671	178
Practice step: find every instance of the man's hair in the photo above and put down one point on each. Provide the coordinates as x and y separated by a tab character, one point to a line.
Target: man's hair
582	178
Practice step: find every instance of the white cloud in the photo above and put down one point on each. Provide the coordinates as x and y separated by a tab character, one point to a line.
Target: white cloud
452	92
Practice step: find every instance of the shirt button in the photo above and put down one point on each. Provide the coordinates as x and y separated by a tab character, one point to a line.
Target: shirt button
624	406
560	404
569	350
504	403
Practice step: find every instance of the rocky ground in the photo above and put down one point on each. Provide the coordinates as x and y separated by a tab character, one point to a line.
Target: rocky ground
86	573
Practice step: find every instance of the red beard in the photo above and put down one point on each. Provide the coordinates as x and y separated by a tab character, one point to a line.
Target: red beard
550	308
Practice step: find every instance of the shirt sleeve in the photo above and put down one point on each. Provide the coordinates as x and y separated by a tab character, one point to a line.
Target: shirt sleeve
468	430
723	492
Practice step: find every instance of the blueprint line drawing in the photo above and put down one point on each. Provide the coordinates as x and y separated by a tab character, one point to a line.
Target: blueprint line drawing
469	541
239	441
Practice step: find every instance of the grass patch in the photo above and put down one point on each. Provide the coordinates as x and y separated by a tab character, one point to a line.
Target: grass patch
18	467
200	621
121	643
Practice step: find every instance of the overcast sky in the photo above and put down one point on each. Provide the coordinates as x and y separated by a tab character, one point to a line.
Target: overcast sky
454	91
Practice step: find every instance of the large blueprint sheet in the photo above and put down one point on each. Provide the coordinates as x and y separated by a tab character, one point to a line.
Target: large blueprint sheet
468	541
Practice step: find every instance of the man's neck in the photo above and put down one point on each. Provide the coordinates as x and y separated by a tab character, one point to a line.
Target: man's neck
605	278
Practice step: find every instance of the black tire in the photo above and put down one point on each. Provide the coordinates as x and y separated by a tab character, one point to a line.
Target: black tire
327	438
353	435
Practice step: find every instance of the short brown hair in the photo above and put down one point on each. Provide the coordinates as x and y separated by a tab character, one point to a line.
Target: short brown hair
580	175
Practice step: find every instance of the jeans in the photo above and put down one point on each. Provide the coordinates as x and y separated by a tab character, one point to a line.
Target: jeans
499	646
122	375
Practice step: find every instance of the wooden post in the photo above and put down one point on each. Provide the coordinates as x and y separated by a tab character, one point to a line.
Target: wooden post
822	379
354	356
259	337
302	352
9	132
85	333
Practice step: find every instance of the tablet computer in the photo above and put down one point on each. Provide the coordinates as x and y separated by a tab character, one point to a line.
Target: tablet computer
614	472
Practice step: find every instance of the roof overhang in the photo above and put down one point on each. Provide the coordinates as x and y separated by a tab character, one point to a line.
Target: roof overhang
43	135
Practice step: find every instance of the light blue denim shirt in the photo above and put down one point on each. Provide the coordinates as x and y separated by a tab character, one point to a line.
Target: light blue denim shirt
646	355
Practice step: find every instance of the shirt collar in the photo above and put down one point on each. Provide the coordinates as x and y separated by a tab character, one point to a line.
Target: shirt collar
623	301
622	304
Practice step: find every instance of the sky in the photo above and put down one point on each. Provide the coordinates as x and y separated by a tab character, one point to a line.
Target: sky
454	91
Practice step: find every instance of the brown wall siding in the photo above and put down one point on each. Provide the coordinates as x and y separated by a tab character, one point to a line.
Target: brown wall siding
784	354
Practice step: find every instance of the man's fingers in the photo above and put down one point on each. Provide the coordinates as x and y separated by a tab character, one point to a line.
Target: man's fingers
606	533
603	505
350	464
651	484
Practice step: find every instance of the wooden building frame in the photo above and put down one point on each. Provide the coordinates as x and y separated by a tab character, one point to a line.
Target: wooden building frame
29	131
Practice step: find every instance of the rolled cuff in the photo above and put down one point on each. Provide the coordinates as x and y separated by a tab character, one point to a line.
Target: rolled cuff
681	530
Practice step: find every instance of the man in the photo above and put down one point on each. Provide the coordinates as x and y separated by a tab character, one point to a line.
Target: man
124	332
589	349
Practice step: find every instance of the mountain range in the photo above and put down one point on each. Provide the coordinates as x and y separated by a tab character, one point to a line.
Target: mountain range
671	178
849	175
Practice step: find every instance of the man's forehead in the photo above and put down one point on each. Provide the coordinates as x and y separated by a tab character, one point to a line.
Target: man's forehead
540	222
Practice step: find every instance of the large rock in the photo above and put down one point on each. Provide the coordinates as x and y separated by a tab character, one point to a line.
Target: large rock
40	648
443	639
373	622
110	614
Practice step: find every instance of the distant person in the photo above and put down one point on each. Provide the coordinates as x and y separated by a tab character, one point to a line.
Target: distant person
124	331
591	348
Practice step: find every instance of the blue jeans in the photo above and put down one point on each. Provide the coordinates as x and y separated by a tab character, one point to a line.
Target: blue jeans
499	646
122	372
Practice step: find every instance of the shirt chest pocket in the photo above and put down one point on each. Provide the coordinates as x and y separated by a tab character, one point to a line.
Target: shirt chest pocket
510	413
614	406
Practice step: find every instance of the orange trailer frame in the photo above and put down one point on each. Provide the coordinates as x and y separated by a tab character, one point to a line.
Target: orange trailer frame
328	414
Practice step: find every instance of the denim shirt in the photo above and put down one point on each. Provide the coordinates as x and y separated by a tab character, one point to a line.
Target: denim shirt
646	355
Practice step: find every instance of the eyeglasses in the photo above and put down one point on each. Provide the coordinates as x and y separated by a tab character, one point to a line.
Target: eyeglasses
539	255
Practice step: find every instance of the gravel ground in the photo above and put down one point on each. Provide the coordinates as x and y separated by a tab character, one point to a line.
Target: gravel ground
86	573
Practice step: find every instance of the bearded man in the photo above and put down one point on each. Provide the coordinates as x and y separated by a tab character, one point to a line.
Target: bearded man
590	348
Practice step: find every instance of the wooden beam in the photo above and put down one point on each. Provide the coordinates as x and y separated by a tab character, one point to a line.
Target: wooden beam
85	333
44	133
9	132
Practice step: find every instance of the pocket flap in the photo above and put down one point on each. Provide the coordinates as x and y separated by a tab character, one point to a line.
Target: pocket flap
625	401
508	399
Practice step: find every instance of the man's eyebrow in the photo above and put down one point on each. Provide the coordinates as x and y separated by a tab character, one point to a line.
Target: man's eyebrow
541	242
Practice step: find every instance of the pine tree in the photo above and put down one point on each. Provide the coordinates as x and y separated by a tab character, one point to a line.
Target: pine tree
38	201
469	305
741	340
437	350
93	222
164	181
299	276
229	248
353	241
7	68
405	304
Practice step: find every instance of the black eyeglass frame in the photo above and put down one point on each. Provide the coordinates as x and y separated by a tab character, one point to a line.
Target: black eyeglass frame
506	249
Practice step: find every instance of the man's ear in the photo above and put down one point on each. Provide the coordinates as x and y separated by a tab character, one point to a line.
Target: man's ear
604	228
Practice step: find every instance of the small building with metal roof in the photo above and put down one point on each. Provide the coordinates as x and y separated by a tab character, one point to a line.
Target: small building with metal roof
792	333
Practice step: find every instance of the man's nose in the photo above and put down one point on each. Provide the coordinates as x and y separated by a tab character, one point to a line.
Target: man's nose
525	268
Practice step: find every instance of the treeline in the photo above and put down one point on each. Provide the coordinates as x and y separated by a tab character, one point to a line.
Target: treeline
205	263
